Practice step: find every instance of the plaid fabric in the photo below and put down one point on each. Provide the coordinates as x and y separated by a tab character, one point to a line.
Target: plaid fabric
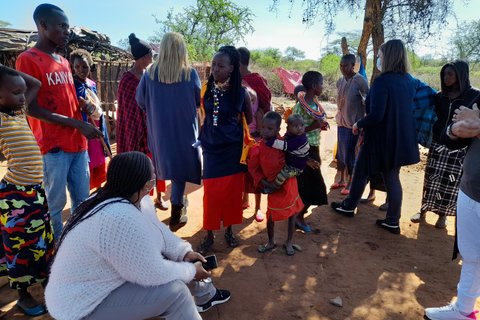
442	179
424	113
346	146
313	136
257	83
131	120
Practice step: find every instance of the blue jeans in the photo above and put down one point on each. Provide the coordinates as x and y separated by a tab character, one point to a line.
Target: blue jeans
178	189
392	182
65	169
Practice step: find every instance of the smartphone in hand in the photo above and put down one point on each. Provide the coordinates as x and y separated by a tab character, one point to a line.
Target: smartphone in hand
210	264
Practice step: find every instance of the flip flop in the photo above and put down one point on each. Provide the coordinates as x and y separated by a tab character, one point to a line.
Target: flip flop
38	310
297	247
289	252
259	217
345	192
264	248
337	185
246	206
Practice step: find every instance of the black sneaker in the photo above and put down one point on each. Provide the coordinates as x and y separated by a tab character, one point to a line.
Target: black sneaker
393	228
220	296
338	207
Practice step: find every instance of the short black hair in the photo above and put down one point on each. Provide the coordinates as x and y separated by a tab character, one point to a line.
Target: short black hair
272	115
4	72
81	54
43	11
350	58
299	88
310	78
244	56
294	117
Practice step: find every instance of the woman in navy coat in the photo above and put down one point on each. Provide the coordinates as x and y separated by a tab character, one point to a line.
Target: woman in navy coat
390	140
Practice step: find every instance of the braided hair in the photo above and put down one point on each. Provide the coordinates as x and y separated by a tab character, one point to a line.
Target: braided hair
235	77
126	175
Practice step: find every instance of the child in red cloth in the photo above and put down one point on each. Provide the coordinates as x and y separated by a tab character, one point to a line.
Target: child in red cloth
264	164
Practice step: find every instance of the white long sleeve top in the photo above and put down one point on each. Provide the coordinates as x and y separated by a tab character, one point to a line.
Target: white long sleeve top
118	244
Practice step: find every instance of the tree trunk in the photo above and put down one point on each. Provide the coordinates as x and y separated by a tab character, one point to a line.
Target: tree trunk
372	25
377	35
367	30
345	46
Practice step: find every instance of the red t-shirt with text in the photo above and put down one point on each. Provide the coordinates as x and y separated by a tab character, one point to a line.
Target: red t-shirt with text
57	95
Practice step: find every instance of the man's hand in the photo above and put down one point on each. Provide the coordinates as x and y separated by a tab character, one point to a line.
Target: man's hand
467	128
88	130
463	113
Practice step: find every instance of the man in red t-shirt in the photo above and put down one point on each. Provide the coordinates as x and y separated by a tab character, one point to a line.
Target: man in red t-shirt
55	118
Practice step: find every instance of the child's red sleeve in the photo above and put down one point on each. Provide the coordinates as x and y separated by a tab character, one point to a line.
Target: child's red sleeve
254	167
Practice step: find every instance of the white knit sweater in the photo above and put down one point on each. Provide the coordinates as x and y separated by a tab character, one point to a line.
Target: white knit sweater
118	244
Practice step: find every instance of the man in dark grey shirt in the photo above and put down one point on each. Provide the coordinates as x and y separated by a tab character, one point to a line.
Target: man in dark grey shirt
465	131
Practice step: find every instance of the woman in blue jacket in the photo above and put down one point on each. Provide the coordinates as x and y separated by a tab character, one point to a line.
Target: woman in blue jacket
390	140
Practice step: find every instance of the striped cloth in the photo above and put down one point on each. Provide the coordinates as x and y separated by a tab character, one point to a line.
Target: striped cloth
442	179
346	146
17	143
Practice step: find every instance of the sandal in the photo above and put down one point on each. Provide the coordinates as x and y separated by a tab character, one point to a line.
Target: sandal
231	240
205	246
265	248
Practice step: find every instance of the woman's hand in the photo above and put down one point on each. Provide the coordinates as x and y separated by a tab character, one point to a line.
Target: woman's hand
200	272
192	255
355	129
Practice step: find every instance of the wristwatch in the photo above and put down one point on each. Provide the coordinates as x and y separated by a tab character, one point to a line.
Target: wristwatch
450	133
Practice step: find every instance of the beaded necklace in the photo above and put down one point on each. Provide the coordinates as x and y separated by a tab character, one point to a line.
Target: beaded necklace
216	89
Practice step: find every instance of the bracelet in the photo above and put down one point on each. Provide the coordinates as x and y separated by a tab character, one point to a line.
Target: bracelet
450	134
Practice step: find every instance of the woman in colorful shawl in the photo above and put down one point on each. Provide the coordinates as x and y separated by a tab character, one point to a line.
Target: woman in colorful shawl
225	101
131	120
169	93
444	166
86	88
311	185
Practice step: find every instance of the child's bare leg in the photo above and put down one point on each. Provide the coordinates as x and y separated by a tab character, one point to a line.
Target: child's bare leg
291	229
258	212
245	199
271	233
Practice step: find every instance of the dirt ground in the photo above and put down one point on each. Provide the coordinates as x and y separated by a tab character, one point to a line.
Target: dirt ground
378	275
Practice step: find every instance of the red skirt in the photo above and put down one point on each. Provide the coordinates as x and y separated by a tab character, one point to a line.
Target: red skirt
161	185
284	202
98	175
222	201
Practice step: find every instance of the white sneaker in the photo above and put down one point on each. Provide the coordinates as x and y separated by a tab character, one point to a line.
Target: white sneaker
448	312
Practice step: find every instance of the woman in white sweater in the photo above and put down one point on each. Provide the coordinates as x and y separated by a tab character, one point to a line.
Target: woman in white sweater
116	260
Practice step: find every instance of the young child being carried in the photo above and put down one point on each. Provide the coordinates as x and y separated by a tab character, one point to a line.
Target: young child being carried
264	164
26	243
296	145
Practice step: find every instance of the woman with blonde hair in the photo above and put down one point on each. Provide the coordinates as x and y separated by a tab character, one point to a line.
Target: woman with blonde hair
390	139
169	93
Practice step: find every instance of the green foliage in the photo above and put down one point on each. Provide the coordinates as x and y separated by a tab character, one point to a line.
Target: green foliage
353	41
4	24
207	26
330	67
466	42
414	59
292	53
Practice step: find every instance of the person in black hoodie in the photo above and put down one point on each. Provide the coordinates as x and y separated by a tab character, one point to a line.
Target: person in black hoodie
444	166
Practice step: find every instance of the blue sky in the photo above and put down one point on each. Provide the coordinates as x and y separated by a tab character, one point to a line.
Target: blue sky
119	18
